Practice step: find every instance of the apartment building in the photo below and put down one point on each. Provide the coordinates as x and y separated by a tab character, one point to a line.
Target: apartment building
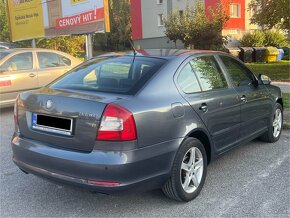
148	20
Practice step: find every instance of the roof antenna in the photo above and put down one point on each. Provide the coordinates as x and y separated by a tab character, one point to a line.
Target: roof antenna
132	67
132	46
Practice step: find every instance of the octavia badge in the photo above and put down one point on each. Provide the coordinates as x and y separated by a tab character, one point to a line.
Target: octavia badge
49	104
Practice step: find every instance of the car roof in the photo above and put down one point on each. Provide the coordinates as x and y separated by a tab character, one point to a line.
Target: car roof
15	50
160	53
8	43
31	49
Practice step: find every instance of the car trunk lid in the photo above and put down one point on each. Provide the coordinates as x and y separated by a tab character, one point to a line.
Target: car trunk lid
62	118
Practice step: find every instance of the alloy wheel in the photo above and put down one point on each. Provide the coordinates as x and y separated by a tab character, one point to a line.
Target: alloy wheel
277	122
191	170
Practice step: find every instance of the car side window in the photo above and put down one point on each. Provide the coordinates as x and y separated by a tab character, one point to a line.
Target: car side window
64	61
49	60
187	80
239	74
208	73
23	61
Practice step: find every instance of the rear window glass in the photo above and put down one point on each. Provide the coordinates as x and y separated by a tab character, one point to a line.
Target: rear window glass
124	74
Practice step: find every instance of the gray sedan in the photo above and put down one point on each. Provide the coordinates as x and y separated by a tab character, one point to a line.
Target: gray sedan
150	119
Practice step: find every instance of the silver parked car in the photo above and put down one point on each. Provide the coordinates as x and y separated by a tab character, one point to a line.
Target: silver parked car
8	45
27	69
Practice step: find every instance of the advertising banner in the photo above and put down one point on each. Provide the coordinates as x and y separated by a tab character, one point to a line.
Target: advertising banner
26	19
49	18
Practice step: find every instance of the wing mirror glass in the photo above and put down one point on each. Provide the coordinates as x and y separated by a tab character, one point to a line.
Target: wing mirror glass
263	79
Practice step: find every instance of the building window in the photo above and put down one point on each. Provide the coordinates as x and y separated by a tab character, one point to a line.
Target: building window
159	2
235	10
160	19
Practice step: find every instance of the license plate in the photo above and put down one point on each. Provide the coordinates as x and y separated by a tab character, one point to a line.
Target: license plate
58	125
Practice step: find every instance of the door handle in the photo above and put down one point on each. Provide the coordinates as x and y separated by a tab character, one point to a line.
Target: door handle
32	75
203	107
244	99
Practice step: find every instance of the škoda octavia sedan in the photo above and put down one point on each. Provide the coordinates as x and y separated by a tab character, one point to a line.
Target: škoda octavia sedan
151	119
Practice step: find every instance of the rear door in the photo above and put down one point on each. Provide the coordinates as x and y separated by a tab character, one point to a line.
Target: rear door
51	66
256	105
206	89
17	75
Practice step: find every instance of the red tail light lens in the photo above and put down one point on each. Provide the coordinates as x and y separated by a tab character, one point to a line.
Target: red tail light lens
103	183
117	124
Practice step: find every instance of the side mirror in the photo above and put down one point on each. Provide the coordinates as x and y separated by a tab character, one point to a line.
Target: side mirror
263	79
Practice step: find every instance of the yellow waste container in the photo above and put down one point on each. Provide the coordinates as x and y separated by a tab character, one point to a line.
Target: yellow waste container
271	54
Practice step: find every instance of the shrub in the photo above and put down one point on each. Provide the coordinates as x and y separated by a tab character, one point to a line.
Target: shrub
264	38
274	38
253	39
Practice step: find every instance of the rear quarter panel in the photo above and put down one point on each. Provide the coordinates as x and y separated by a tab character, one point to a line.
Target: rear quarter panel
160	112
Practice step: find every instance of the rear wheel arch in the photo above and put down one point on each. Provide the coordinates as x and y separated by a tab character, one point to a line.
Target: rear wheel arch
203	137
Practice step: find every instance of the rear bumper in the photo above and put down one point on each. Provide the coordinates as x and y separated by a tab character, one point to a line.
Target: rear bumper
137	170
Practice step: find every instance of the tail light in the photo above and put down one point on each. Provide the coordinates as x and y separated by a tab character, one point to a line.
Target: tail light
16	115
117	124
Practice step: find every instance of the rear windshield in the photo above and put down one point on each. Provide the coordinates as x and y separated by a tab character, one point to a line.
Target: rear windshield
124	75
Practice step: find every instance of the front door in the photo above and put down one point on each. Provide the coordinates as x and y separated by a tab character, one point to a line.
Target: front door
256	104
207	91
17	74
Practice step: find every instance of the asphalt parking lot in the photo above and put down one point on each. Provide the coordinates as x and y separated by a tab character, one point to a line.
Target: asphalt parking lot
251	180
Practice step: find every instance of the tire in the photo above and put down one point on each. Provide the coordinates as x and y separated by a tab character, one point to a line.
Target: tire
187	179
274	122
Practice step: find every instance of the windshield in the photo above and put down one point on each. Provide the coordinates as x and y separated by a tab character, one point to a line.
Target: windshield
3	54
111	74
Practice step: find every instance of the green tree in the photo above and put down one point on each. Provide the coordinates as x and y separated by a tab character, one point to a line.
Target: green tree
68	44
197	27
172	27
4	30
120	19
271	14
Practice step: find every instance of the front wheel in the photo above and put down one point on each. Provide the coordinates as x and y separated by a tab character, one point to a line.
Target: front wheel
188	172
275	125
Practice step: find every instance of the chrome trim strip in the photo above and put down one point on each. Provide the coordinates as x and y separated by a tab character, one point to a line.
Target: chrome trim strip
52	130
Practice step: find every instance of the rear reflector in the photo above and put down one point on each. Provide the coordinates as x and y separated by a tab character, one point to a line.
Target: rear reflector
117	124
103	183
5	83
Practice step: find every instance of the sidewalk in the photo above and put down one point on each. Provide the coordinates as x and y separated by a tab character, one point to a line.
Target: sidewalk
284	86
